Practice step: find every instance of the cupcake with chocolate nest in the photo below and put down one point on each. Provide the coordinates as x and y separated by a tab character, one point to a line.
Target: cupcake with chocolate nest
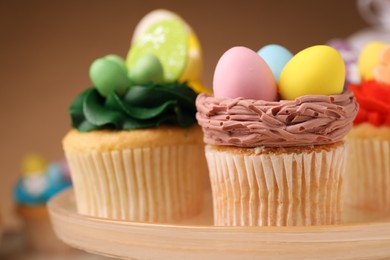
275	146
368	168
135	152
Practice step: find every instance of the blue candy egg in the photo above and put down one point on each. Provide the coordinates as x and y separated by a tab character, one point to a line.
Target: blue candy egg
54	173
276	57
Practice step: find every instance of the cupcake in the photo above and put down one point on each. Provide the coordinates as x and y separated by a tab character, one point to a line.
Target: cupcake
277	161
39	182
368	168
135	151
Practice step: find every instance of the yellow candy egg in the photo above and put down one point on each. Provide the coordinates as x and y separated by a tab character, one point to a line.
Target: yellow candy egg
198	87
317	70
33	164
193	69
369	58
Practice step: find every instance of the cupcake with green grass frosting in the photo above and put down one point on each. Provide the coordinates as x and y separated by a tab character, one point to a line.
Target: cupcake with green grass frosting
135	151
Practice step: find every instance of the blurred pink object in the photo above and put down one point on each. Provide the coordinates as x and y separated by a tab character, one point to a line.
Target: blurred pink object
65	169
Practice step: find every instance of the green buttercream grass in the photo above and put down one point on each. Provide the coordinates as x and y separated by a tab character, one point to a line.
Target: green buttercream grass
142	106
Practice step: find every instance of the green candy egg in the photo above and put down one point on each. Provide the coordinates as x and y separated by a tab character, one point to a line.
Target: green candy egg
147	68
117	59
109	74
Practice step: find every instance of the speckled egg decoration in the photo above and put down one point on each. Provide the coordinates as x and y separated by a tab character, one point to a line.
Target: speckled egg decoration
317	70
241	72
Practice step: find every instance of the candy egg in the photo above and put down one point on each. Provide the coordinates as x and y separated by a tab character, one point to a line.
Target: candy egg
150	19
382	70
198	87
109	74
54	173
369	58
166	39
148	68
35	185
318	70
117	59
276	57
33	164
350	57
193	65
241	72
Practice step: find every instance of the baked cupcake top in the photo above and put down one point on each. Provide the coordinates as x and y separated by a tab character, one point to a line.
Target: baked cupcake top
289	102
157	84
41	180
373	93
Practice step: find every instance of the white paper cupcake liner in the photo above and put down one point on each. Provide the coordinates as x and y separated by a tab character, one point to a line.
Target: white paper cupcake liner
276	189
156	184
368	173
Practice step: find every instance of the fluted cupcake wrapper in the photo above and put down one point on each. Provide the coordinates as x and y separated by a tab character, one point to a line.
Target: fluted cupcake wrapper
276	189
368	173
154	184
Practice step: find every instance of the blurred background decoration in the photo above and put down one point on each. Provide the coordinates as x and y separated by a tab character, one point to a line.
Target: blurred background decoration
39	180
46	48
377	14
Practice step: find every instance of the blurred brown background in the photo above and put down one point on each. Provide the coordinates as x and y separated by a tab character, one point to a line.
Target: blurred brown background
46	48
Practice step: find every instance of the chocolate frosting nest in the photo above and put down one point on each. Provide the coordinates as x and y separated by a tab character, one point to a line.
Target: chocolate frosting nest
307	120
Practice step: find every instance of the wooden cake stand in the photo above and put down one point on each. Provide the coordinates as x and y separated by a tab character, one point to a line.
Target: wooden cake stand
364	235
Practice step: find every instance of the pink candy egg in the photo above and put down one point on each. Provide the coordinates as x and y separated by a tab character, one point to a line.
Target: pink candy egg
240	72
